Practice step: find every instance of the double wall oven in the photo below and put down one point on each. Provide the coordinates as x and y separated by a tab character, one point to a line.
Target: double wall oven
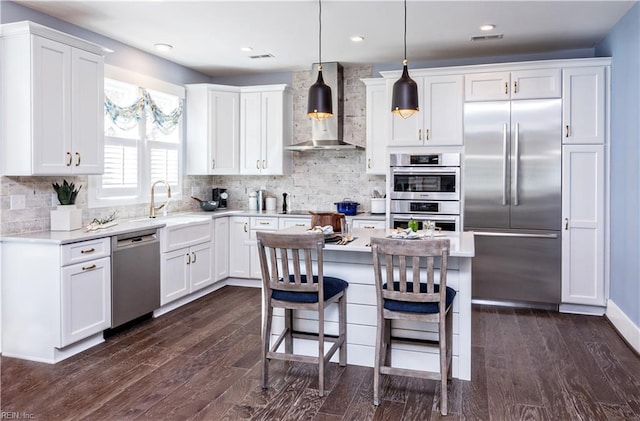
425	187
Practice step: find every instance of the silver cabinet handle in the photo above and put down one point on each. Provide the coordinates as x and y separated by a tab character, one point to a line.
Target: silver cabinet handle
369	163
89	267
505	160
566	224
258	164
70	159
91	250
516	166
264	164
188	259
566	131
213	164
506	88
419	134
193	255
426	134
245	227
515	87
77	159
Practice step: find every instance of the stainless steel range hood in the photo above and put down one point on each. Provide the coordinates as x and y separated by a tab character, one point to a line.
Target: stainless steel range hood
327	134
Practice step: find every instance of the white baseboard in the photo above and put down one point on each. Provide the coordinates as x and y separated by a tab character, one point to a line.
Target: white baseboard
240	282
581	309
629	331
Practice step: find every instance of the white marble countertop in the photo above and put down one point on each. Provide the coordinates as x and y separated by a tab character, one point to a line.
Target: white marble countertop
462	244
140	223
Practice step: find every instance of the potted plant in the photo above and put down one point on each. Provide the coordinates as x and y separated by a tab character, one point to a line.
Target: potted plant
66	192
66	217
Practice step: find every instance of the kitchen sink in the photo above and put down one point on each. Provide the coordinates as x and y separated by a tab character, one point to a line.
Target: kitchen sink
174	219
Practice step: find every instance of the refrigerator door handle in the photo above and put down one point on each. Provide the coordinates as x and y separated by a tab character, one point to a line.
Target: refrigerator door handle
505	161
512	234
516	165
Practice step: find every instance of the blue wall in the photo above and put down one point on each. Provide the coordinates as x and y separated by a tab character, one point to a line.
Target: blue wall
623	45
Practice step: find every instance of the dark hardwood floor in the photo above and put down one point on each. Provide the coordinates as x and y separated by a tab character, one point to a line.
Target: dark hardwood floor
200	362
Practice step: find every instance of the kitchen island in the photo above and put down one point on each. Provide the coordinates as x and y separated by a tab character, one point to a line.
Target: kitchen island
354	263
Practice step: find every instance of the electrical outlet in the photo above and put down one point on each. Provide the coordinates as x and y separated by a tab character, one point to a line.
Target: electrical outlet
18	201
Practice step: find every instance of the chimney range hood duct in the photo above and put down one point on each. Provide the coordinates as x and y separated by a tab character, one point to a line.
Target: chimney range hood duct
327	134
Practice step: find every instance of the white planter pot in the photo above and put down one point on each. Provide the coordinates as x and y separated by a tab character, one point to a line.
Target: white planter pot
66	218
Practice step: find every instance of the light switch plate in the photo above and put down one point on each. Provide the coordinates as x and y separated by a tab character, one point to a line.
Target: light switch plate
18	201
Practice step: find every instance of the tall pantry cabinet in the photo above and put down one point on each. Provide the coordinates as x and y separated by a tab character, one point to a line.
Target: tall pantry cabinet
584	185
52	102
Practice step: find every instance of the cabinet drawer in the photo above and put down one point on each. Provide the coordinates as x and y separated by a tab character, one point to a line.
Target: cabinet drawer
174	237
294	222
359	223
85	250
264	224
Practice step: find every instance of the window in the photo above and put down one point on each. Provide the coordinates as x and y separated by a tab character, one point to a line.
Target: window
143	142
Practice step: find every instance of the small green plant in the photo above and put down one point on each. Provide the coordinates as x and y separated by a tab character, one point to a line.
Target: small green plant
66	192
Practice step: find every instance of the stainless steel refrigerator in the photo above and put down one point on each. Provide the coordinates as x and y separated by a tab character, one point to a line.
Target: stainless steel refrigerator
512	200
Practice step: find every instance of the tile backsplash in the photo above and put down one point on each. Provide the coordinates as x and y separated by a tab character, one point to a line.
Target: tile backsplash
318	178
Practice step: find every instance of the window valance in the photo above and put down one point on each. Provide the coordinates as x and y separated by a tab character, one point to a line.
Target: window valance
128	116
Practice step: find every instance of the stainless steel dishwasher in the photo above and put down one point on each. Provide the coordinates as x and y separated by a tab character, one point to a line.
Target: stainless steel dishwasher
135	275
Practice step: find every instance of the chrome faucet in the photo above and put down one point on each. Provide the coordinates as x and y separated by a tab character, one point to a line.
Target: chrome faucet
153	208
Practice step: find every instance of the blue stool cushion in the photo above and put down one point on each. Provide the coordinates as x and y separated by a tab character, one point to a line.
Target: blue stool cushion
413	307
332	286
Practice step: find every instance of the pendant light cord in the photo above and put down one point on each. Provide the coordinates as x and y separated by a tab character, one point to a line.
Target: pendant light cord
320	33
405	32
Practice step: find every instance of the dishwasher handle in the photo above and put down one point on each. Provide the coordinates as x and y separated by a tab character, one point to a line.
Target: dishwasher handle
134	239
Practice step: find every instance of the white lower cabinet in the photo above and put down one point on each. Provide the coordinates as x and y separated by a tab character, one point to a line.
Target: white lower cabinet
85	299
189	268
258	224
221	248
239	252
583	198
56	299
185	271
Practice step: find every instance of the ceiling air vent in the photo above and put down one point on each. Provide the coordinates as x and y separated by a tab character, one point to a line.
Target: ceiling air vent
486	37
262	56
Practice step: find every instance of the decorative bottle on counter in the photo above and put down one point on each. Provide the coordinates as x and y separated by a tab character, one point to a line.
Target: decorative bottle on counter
413	224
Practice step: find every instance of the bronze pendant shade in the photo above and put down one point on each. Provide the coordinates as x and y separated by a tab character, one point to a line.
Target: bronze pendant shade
320	105
405	95
404	101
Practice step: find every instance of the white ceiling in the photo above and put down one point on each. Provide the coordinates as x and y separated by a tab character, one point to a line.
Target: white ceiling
207	35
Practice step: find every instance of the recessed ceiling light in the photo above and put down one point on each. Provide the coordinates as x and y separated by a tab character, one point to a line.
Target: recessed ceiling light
488	27
357	38
108	50
246	49
163	47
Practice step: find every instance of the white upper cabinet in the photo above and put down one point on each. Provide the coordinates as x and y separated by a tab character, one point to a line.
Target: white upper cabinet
213	129
52	102
439	121
583	106
266	127
378	111
524	84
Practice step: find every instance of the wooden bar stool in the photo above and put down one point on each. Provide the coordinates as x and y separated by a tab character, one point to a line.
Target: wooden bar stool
407	291
286	263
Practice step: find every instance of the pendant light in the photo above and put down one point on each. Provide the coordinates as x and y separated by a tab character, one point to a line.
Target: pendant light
320	104
404	101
